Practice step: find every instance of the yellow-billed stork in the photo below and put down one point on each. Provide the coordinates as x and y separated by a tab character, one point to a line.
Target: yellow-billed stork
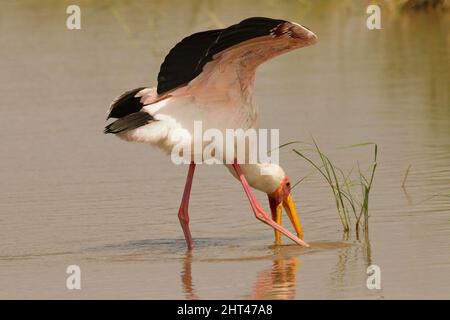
209	77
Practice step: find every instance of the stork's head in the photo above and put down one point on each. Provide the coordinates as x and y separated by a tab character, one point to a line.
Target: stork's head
276	184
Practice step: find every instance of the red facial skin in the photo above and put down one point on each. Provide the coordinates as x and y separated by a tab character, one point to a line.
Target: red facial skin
277	197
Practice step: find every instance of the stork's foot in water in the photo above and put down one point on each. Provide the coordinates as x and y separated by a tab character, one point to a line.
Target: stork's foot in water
183	214
259	212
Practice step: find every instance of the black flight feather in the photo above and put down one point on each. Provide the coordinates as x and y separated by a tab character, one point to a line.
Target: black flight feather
186	60
129	122
181	64
126	104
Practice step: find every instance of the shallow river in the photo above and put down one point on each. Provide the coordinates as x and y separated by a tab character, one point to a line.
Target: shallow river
72	195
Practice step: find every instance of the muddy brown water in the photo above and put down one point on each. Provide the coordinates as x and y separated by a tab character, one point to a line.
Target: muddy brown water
71	195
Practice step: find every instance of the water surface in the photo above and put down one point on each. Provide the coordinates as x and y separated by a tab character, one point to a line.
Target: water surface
71	195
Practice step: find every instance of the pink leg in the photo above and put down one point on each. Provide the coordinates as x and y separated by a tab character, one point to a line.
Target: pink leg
259	212
183	214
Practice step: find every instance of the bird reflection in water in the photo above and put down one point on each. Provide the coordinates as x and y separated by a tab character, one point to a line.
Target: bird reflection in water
276	282
186	277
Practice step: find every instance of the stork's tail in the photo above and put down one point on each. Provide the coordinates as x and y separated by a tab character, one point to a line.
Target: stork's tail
129	122
127	108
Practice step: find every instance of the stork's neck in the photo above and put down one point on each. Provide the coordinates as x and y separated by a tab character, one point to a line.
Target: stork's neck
264	177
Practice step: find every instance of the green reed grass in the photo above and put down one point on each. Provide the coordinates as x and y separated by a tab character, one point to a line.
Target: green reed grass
350	189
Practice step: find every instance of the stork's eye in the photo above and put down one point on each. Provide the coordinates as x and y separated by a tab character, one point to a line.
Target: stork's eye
288	184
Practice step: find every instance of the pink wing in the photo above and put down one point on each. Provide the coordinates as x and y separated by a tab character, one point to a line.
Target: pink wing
232	71
214	58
